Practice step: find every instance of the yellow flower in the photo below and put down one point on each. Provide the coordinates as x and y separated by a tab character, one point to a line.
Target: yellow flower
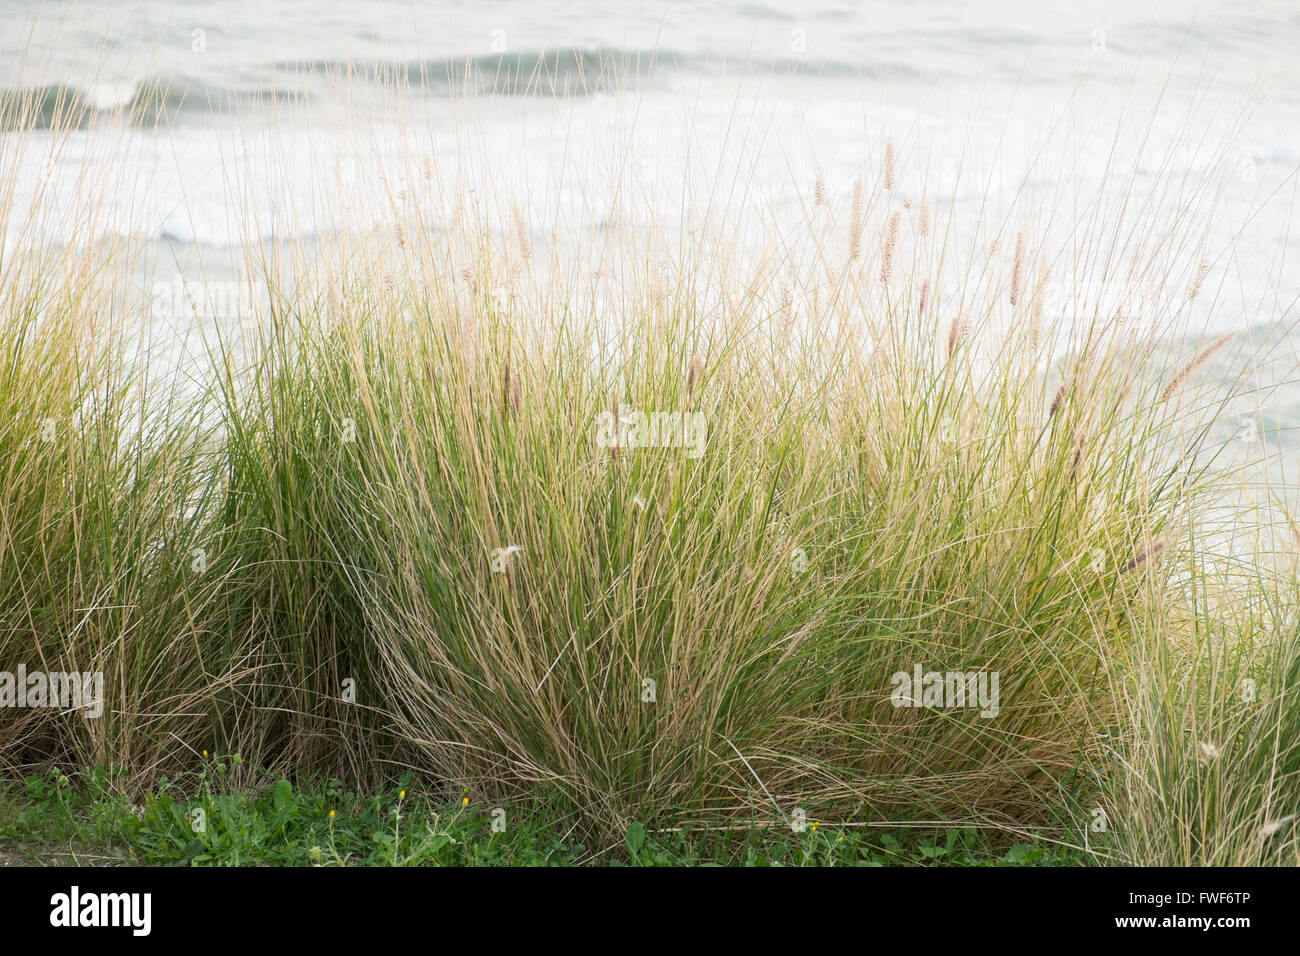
464	801
205	753
331	814
402	795
814	826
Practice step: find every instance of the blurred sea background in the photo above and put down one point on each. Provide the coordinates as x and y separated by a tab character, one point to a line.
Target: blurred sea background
210	124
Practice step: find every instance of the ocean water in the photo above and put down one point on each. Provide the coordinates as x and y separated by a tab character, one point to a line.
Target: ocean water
260	100
249	89
202	125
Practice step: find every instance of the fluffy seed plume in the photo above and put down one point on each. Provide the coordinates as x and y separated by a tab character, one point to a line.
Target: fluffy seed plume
924	297
1059	400
855	224
1199	359
696	369
956	332
819	189
507	558
889	163
1036	307
1268	829
1147	554
1018	269
521	231
510	391
1202	270
1080	442
787	305
887	248
923	219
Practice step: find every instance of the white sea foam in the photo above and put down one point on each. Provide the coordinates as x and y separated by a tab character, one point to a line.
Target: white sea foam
110	96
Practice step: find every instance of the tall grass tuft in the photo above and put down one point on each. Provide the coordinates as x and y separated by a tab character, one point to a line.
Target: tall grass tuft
666	547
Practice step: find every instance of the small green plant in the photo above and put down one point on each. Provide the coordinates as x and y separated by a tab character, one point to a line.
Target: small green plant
52	817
